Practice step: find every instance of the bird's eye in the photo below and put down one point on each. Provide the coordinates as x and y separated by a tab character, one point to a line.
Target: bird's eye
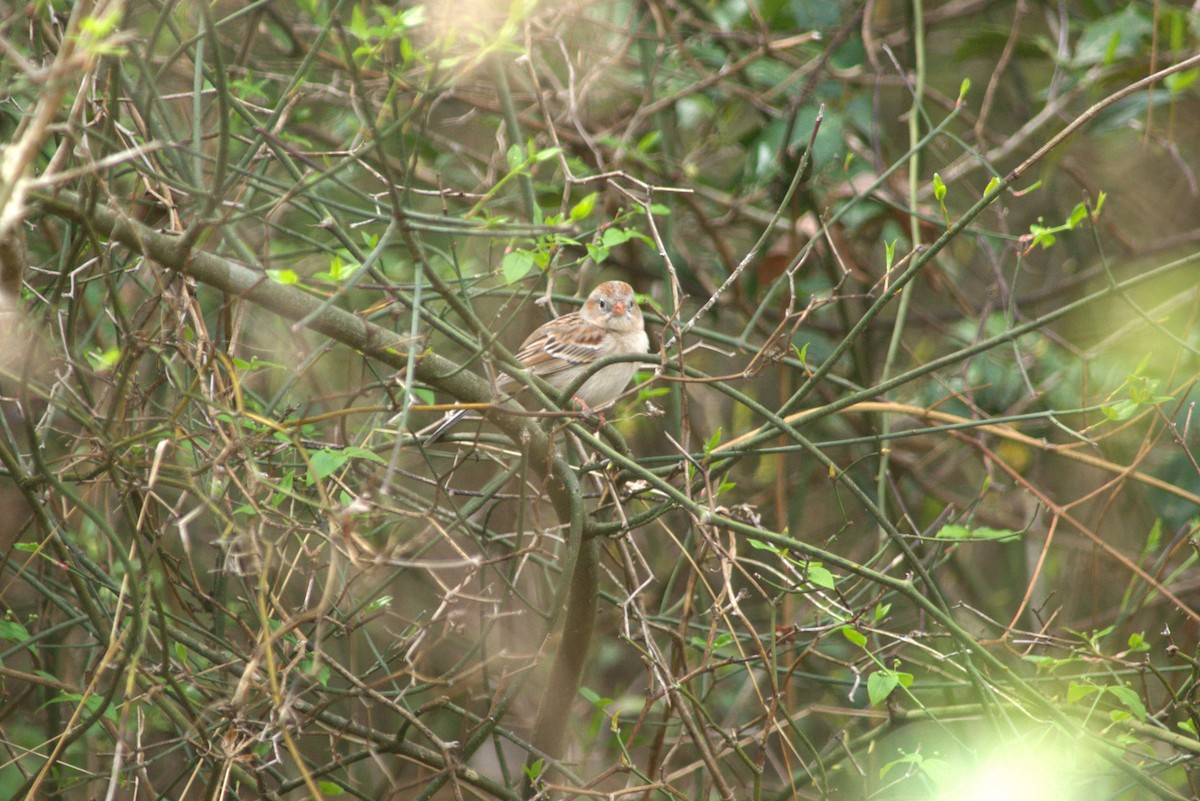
603	305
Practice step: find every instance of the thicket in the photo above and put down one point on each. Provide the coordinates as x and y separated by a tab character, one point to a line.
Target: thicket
902	503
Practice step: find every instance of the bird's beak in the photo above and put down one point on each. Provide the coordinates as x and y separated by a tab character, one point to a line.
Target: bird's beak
619	308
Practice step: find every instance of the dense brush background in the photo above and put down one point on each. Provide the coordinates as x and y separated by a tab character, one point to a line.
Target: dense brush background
903	503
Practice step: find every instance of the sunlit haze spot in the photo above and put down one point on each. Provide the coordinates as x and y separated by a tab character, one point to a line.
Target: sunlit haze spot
1023	773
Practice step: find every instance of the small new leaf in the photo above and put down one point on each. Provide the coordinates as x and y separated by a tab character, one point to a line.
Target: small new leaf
1129	698
958	532
515	158
515	265
713	442
819	576
1077	691
880	685
325	463
285	277
13	631
1078	215
583	209
1179	82
854	635
534	770
939	188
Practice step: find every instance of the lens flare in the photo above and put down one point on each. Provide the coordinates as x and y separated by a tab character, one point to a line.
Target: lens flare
1045	772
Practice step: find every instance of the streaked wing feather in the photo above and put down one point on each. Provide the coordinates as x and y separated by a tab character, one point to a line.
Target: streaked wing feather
551	350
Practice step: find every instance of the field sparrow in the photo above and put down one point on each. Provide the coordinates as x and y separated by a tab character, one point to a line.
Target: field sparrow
561	350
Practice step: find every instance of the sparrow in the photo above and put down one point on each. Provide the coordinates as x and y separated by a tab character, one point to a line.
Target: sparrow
559	351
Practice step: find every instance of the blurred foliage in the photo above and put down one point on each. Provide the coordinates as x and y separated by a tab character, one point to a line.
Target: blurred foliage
902	504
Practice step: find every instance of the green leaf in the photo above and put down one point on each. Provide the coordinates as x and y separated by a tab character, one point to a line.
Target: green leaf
325	463
547	154
104	361
255	363
1041	236
853	635
963	88
515	265
1178	82
880	685
616	236
1078	215
649	141
323	673
330	788
340	269
723	640
584	208
713	441
99	27
939	188
92	704
534	770
358	27
515	157
1110	53
819	576
594	698
1121	410
881	611
412	17
13	631
1113	36
1077	691
1129	699
356	452
992	184
1153	538
766	546
957	532
382	602
997	534
285	277
915	758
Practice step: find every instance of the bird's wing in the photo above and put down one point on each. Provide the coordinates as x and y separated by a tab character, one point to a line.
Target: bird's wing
562	344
